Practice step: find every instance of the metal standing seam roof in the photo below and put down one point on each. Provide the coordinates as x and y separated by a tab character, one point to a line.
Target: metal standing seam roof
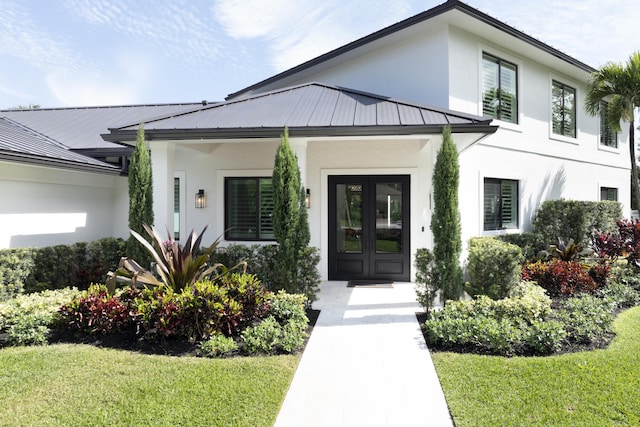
311	109
19	143
80	128
413	20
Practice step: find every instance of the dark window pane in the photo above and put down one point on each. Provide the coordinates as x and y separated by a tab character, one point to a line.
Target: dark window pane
499	89
563	109
248	209
500	204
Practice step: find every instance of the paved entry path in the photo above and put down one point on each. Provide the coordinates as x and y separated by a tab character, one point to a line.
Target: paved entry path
366	364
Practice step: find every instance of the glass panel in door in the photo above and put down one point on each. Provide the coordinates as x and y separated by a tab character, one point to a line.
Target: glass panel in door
388	217
349	218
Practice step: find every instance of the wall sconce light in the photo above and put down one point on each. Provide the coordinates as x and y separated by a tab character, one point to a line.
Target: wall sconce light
201	200
307	199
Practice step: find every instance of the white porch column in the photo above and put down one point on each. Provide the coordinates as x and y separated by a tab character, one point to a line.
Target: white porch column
162	153
299	147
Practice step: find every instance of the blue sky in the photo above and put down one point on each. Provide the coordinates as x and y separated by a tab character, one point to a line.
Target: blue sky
59	53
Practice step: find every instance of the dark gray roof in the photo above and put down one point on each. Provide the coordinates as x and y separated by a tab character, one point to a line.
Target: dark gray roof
311	109
18	143
80	128
428	14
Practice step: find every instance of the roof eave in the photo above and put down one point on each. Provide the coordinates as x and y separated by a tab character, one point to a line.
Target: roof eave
58	163
321	131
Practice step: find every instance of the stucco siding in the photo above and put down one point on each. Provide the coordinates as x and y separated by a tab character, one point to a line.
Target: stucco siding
43	206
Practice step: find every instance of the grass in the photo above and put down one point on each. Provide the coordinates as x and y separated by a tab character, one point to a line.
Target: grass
80	385
595	388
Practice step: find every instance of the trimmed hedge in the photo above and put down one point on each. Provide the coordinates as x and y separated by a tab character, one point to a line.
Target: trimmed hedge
15	267
574	219
56	267
493	267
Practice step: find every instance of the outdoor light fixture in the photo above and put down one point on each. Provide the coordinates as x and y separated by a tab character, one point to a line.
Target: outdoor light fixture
201	200
307	199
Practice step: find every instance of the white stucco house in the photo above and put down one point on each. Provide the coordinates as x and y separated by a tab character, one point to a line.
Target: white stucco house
365	121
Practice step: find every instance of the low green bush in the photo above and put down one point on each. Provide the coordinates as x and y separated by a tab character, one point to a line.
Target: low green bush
493	267
544	337
283	331
623	273
27	319
263	338
217	346
502	327
587	318
620	295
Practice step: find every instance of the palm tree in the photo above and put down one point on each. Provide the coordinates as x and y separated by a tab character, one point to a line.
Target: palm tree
619	85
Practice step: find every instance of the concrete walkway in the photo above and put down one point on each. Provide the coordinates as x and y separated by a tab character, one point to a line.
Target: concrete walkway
366	364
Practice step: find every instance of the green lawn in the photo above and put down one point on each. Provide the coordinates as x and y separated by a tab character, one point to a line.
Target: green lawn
596	388
79	385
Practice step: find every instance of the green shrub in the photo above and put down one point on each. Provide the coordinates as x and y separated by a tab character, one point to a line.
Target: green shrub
285	307
15	267
217	346
623	273
574	219
544	337
283	330
493	267
262	338
426	287
530	244
27	319
620	295
503	327
587	318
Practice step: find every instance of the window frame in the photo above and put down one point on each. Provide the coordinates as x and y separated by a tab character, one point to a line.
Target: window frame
607	189
515	210
500	62
258	236
563	134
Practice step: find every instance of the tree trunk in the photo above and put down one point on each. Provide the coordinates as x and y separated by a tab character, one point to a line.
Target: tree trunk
634	169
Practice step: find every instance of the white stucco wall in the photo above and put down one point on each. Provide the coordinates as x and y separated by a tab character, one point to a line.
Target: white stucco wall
44	206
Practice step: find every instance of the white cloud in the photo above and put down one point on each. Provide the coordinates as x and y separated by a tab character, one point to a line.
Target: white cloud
131	73
299	30
179	31
593	31
21	37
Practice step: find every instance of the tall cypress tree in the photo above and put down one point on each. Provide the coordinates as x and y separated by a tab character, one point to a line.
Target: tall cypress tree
289	218
445	222
140	197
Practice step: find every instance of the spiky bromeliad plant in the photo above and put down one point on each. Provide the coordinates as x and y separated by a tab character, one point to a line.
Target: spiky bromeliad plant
175	267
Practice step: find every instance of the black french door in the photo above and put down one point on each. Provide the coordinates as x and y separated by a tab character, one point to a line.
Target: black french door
369	227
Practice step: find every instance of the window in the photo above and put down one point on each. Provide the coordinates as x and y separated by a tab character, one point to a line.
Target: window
500	204
499	89
563	109
248	208
609	193
608	136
